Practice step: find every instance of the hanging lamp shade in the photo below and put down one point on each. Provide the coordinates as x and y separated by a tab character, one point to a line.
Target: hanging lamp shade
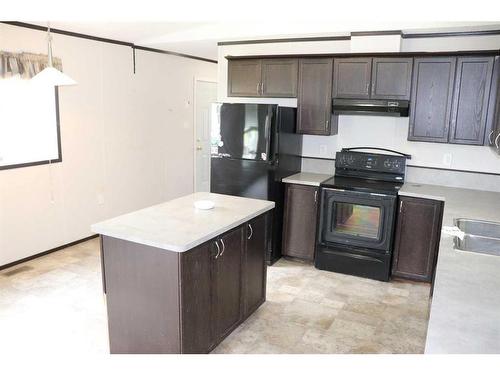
50	75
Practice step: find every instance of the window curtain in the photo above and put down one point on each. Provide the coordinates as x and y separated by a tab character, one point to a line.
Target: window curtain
27	65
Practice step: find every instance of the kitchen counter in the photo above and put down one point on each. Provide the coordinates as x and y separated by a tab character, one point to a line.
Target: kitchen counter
306	178
178	226
415	190
465	308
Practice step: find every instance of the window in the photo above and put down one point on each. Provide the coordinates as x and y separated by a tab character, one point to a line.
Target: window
29	124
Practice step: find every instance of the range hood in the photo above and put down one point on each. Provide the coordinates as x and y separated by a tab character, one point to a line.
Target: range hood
379	107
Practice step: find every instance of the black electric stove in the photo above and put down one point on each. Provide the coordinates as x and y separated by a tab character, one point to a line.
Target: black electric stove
357	213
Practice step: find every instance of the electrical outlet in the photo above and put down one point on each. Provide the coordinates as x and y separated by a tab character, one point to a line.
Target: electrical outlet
323	150
447	159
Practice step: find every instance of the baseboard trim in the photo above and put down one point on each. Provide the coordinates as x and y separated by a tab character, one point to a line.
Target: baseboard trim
15	263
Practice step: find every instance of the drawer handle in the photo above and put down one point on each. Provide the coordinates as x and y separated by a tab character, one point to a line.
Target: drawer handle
218	249
251	231
223	247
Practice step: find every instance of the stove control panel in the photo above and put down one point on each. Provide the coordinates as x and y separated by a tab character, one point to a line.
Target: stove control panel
370	164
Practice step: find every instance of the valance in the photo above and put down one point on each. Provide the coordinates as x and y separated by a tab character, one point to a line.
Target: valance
27	65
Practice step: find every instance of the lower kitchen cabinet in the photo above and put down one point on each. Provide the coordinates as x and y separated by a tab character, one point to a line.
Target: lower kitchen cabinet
418	231
299	230
254	262
161	301
227	302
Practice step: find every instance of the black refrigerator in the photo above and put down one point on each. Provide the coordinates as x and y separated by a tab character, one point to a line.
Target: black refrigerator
254	146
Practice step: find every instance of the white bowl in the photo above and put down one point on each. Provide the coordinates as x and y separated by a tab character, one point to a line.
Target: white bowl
204	204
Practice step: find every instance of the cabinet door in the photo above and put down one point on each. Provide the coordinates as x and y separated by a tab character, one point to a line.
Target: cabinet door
417	238
314	100
352	77
255	263
431	98
391	78
299	231
279	78
244	77
195	299
470	99
227	301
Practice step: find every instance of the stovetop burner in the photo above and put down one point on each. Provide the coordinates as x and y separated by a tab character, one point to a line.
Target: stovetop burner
363	185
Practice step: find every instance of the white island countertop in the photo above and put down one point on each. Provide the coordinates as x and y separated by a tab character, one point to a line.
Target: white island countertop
178	226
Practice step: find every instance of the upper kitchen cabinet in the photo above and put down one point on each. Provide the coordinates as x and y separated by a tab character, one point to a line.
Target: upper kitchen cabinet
275	78
244	77
431	99
352	78
314	98
279	78
470	100
391	78
493	136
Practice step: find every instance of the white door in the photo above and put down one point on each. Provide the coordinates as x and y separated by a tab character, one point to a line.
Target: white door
205	95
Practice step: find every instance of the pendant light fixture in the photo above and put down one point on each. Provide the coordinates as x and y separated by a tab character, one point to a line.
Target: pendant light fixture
50	75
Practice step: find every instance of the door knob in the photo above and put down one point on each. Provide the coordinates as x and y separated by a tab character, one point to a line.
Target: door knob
199	148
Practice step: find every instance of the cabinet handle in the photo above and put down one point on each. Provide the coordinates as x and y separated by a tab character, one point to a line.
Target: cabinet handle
262	88
223	247
489	137
315	196
218	249
367	87
251	231
258	88
400	206
496	140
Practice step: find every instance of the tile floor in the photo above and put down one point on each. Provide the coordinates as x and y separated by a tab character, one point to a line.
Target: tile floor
55	304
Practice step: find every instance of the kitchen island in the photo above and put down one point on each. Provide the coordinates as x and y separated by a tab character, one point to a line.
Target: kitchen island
179	279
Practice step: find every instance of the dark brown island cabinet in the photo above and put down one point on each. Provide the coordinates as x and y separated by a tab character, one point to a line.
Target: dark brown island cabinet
299	227
272	78
418	232
162	301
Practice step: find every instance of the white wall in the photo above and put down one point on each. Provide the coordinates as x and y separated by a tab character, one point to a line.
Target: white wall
371	130
127	142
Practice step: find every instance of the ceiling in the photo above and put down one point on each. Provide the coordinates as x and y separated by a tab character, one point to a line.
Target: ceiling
200	38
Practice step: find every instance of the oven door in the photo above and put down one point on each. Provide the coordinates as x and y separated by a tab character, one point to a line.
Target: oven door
356	219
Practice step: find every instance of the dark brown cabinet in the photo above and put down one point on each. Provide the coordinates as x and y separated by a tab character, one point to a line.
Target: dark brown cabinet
314	100
352	77
418	232
254	287
372	78
244	77
279	78
263	77
431	99
470	100
391	78
299	228
162	301
493	136
226	283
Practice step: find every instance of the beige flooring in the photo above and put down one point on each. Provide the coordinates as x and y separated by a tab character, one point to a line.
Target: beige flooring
55	304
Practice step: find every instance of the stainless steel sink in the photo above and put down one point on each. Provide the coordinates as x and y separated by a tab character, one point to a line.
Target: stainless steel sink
480	236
